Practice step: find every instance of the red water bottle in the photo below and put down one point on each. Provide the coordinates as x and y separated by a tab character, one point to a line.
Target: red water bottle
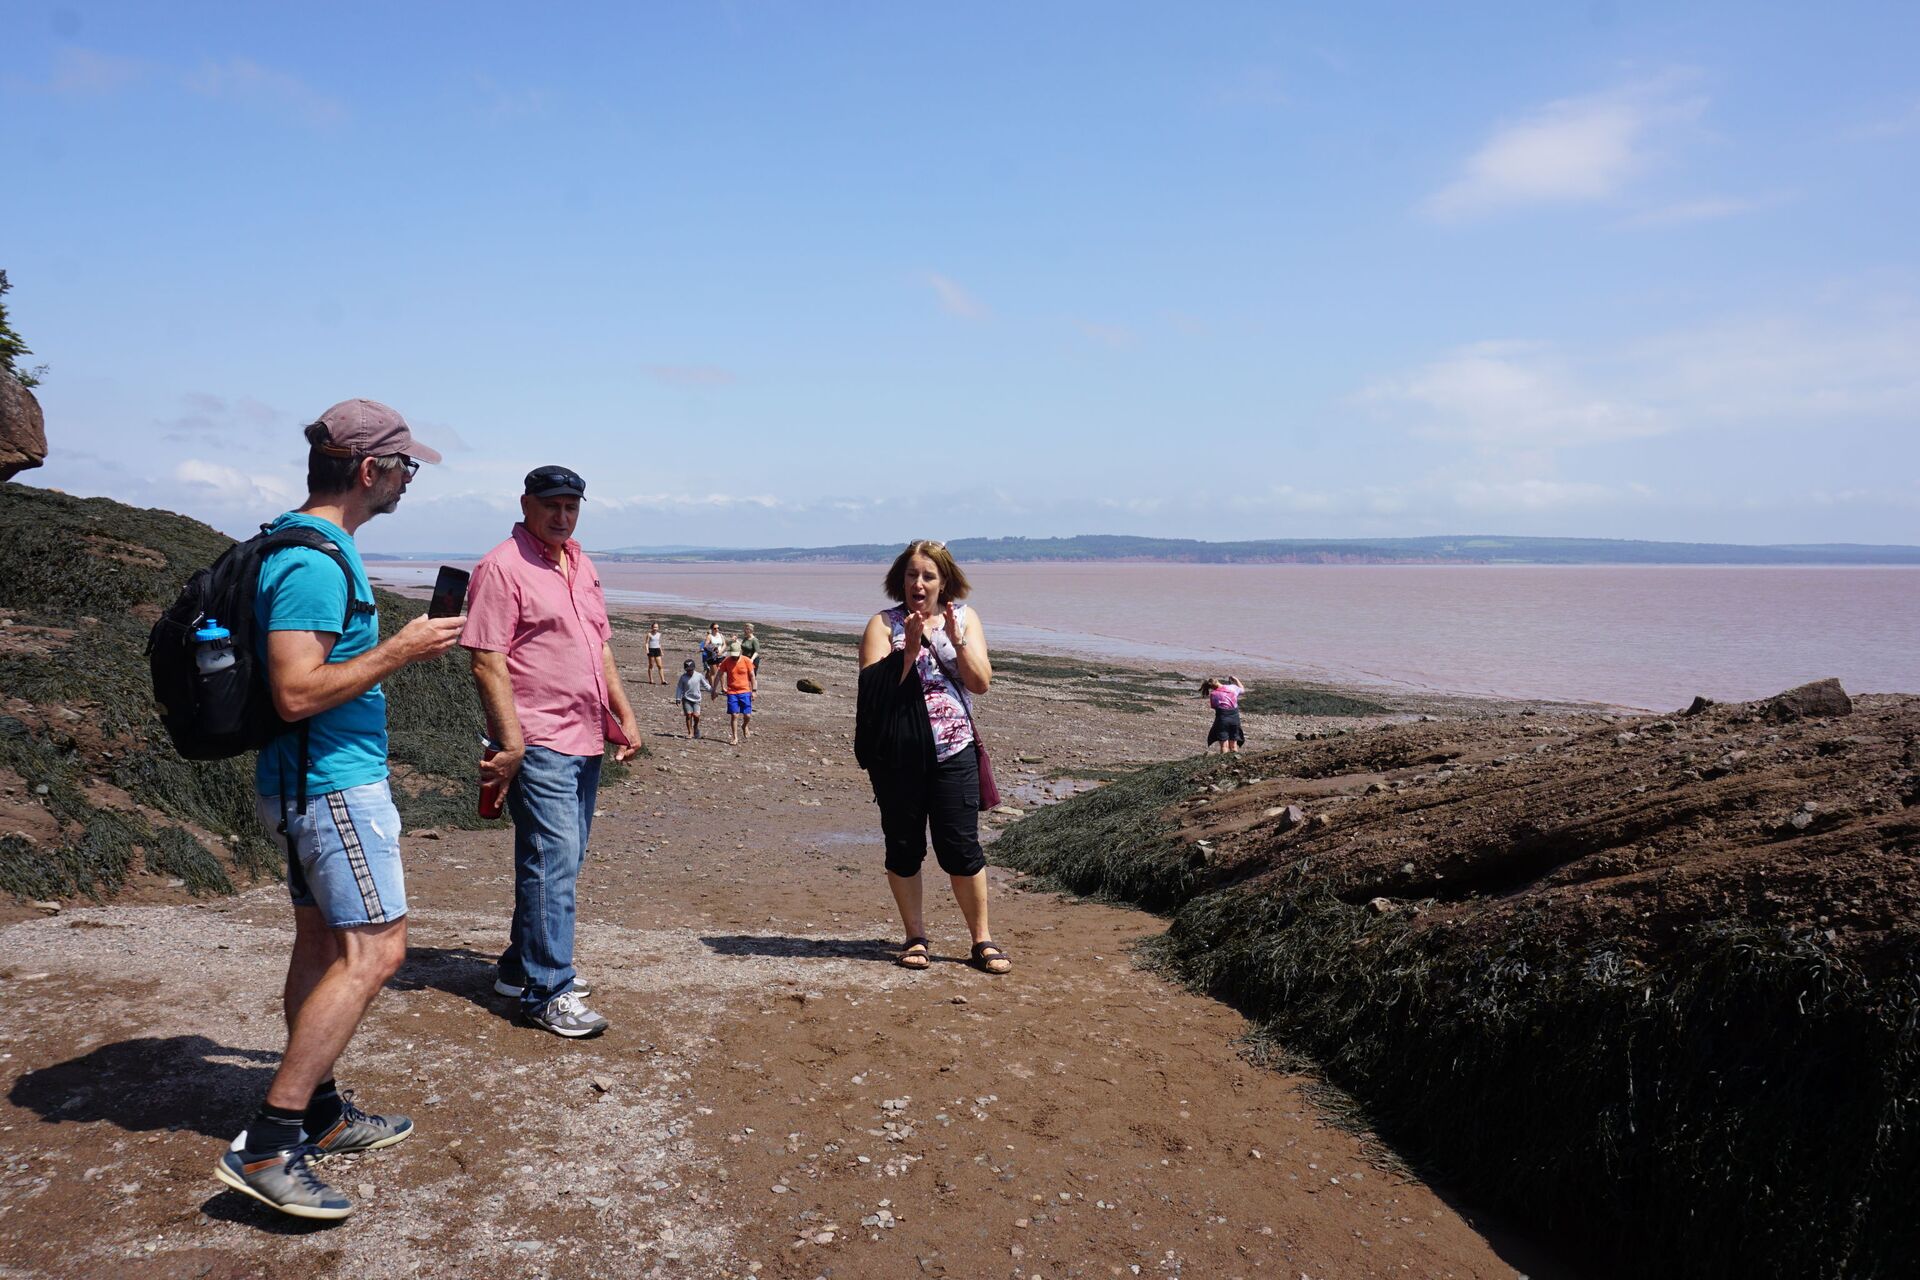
493	795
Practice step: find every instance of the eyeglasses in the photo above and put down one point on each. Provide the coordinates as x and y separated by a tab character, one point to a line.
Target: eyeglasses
395	462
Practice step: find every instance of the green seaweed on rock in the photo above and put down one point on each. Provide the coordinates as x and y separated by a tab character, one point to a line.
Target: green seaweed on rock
83	579
1743	1104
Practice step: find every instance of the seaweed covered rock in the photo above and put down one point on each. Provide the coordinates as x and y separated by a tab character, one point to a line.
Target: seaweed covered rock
1654	987
92	793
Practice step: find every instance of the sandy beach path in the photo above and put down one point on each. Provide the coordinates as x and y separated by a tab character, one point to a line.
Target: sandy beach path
774	1098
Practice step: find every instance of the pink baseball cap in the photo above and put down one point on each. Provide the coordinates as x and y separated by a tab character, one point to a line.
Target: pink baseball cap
372	430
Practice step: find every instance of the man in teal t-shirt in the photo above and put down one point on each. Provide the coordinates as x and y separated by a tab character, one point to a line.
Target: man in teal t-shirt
304	590
320	639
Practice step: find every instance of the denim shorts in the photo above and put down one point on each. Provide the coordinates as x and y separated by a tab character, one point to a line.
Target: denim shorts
740	704
343	854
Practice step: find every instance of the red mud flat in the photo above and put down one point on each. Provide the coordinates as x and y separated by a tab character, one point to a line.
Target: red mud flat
774	1099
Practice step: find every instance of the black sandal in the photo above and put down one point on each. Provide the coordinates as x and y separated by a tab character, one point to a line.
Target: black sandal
908	956
985	953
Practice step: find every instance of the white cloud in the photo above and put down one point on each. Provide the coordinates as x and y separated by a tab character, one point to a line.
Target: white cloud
1702	209
1849	364
213	420
502	103
230	487
88	73
954	298
243	80
1116	336
697	502
1449	494
1537	495
1898	124
1510	393
1572	151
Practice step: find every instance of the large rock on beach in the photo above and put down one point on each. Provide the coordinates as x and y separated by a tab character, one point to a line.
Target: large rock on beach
1821	698
23	429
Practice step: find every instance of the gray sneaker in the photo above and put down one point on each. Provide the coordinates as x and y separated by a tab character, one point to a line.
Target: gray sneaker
285	1180
567	1015
355	1130
502	987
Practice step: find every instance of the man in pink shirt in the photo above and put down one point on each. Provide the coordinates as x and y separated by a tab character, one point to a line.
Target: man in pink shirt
537	627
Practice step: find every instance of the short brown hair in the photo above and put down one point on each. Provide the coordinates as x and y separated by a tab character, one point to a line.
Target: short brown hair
953	583
332	469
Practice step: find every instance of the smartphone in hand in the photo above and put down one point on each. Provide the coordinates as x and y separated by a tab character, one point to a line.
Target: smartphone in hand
449	593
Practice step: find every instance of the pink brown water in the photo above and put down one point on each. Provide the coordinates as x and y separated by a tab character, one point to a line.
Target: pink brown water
1636	636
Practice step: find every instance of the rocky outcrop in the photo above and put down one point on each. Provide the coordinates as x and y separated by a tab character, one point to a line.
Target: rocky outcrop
23	431
1821	698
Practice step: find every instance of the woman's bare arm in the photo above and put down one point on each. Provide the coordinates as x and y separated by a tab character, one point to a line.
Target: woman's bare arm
976	669
875	642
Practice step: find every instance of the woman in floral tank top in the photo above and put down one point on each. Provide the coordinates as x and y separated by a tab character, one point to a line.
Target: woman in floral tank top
934	646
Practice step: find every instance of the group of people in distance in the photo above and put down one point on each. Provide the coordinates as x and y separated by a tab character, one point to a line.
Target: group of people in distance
539	645
728	666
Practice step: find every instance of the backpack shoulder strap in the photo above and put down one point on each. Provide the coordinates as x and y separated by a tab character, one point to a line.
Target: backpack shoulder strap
314	540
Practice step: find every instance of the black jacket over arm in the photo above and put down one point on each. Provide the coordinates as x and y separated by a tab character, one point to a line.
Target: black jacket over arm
892	737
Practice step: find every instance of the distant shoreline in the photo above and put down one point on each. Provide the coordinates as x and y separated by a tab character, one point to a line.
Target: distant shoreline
1476	549
615	557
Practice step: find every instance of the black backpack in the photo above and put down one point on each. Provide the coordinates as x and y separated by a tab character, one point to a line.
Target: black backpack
224	713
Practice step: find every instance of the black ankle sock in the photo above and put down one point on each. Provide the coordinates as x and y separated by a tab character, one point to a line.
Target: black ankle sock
274	1129
323	1109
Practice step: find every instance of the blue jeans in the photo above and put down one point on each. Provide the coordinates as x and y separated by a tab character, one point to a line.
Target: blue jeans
551	801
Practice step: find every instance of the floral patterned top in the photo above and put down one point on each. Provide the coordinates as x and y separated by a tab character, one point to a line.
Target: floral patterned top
948	704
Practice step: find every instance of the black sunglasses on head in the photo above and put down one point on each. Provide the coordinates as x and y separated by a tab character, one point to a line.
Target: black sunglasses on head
548	477
411	464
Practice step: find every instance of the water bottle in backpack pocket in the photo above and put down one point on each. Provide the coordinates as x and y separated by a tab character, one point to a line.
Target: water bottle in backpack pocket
219	680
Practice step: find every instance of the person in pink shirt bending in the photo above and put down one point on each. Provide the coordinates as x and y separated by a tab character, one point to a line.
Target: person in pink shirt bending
543	658
1224	697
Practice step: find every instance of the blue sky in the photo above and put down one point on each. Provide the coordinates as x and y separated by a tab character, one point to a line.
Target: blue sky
803	274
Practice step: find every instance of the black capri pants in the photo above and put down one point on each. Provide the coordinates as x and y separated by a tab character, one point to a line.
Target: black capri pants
945	800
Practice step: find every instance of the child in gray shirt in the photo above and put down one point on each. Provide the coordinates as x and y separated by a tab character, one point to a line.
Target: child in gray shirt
692	687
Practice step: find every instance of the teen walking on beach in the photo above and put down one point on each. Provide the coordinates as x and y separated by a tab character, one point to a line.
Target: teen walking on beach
653	655
735	677
921	662
712	649
1224	697
323	788
692	687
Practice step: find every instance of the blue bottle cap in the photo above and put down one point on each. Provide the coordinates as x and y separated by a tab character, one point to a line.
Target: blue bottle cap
212	631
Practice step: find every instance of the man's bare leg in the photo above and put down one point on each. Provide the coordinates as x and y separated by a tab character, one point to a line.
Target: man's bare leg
314	950
327	1014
